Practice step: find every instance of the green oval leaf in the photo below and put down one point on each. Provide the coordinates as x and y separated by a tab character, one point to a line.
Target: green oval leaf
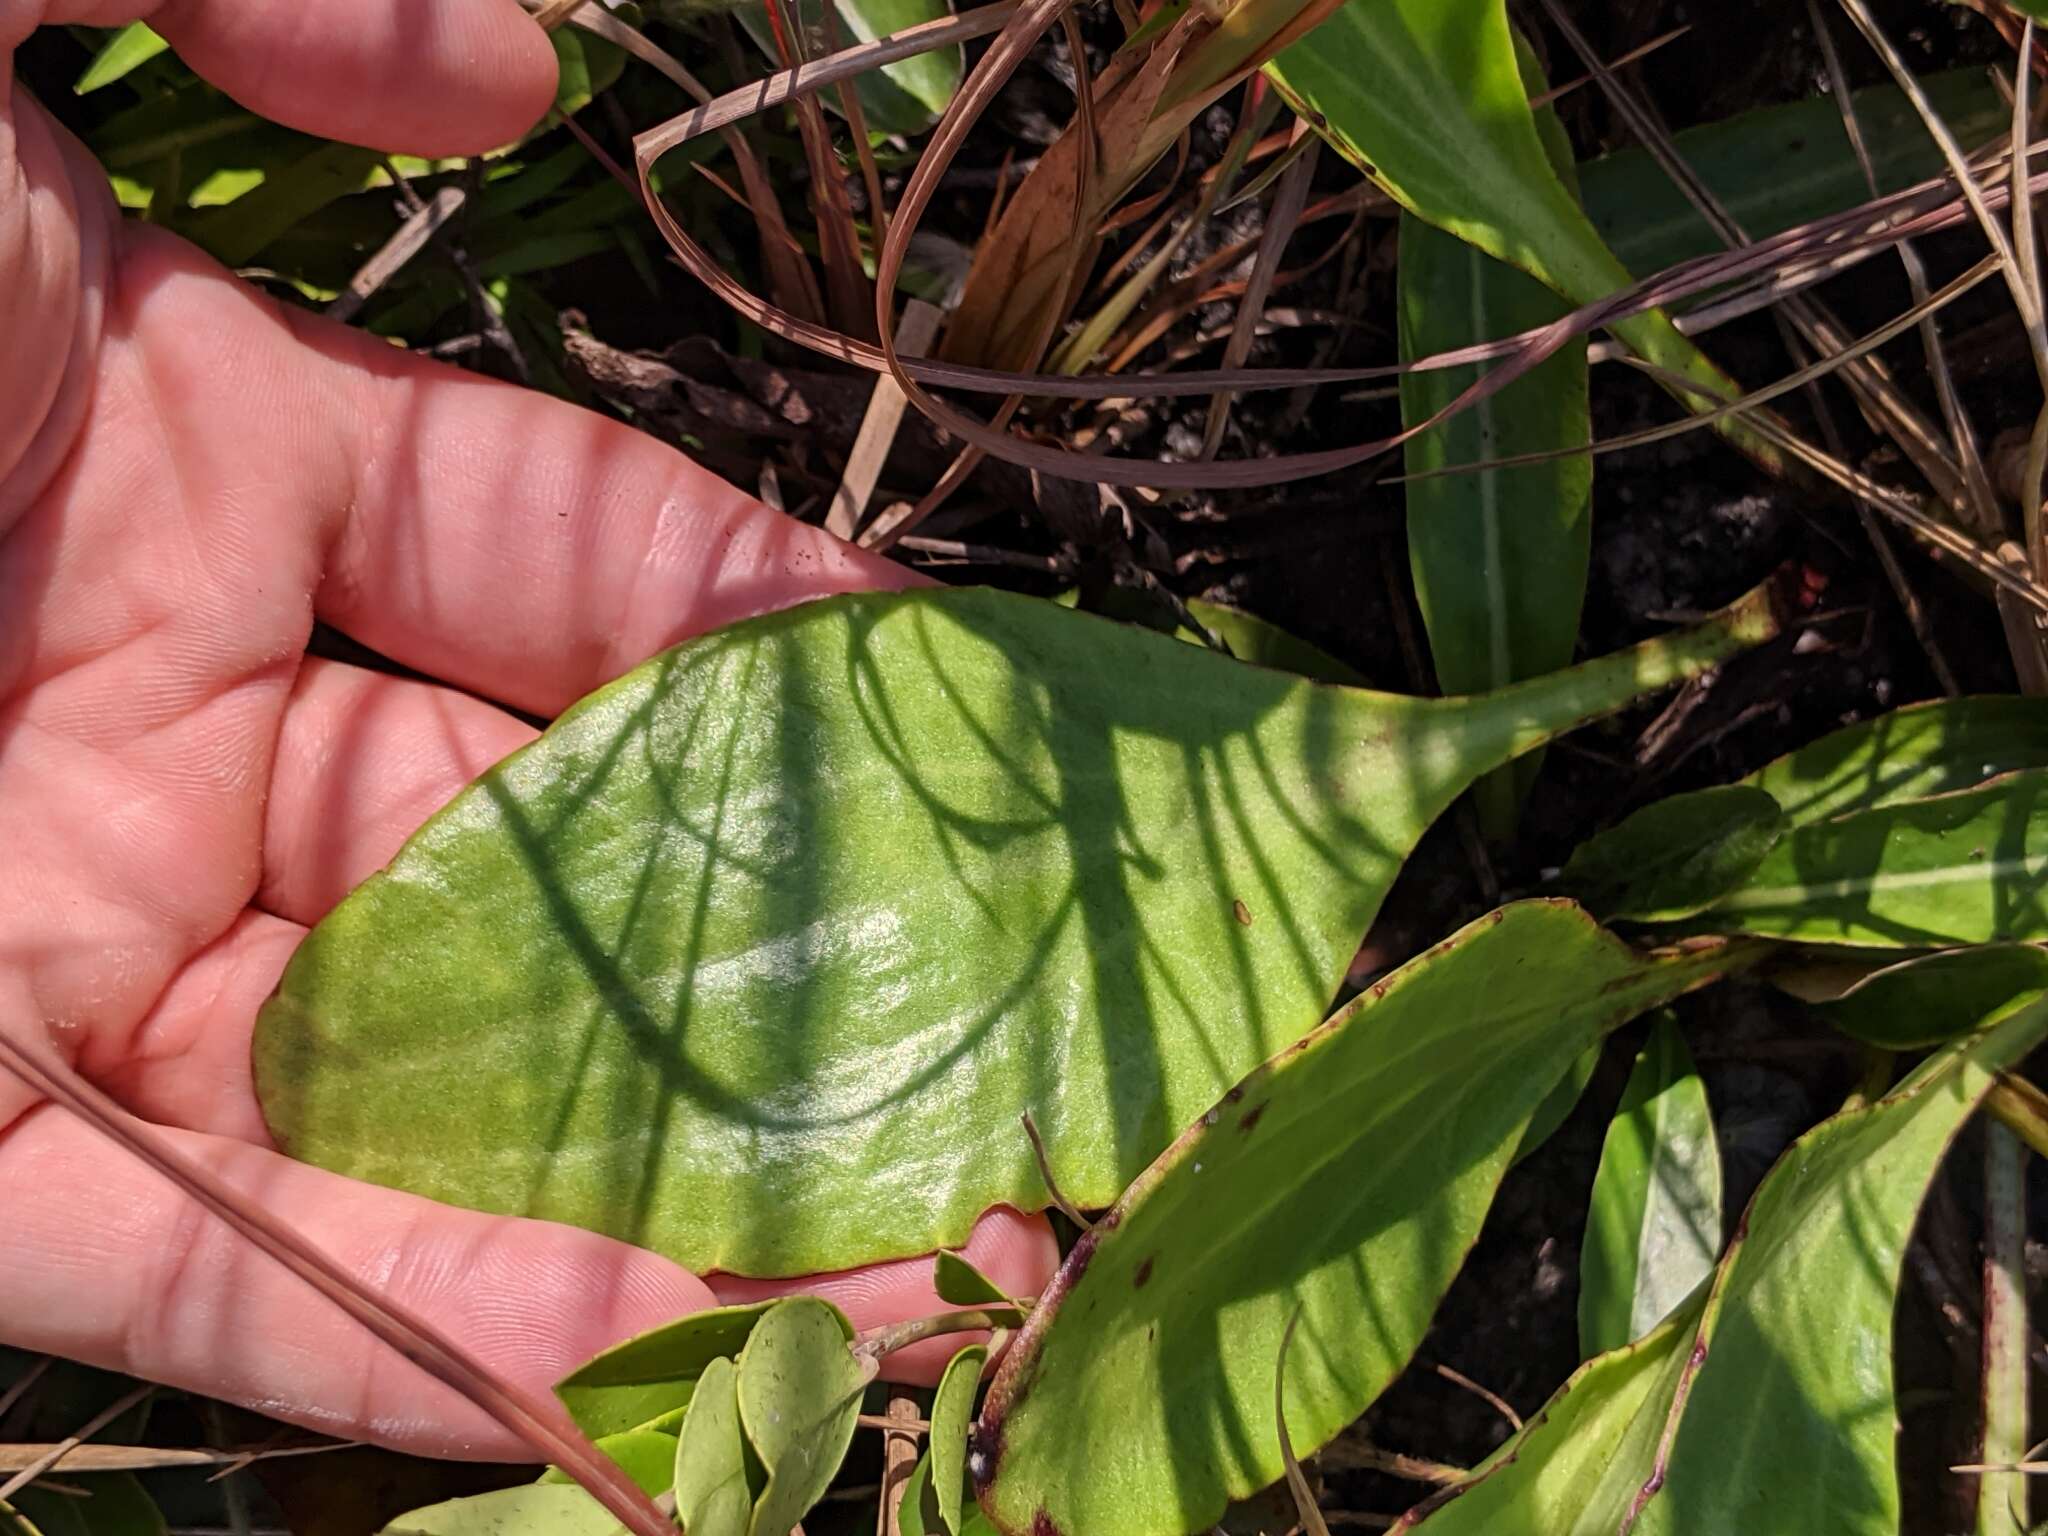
1653	1231
1426	97
1767	1403
758	955
1355	1169
1911	753
952	1412
1962	868
1675	857
715	1487
1931	999
799	1397
636	1382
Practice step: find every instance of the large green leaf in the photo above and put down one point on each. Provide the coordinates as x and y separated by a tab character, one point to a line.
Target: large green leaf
1924	749
1498	555
1961	868
1789	1420
1348	1178
757	956
1776	167
1426	97
1653	1231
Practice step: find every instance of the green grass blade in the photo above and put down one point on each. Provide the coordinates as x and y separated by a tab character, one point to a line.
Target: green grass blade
1426	97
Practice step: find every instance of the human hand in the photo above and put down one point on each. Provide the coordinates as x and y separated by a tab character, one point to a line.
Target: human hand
189	476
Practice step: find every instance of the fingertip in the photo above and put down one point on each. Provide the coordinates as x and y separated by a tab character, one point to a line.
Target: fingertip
434	77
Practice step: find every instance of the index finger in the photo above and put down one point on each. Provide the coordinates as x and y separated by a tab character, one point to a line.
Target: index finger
441	77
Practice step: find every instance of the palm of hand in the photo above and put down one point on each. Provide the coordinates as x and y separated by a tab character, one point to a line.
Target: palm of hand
189	476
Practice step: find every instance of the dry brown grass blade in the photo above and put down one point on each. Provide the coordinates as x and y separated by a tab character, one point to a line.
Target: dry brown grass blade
849	299
540	1422
1297	1483
789	276
1883	403
1289	200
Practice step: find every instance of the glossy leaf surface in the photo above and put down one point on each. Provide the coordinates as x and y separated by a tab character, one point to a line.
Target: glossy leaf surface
1653	1231
1963	868
1789	1420
758	955
1924	749
1347	1177
1675	856
653	1373
1426	97
1931	999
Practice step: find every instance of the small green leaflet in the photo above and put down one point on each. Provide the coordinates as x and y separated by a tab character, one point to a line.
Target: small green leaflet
633	1383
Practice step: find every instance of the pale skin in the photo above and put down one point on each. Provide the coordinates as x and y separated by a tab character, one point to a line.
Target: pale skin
190	475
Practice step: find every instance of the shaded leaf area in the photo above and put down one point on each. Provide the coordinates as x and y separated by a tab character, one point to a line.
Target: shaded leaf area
757	956
1676	856
1776	167
1766	1404
1931	999
1348	1177
1426	97
1961	868
1924	749
905	97
1653	1230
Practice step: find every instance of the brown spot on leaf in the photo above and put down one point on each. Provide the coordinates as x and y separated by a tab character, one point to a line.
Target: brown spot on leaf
1241	912
1250	1119
1042	1524
1144	1273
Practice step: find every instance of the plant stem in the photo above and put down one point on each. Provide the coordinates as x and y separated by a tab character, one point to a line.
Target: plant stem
1526	715
887	1339
2002	1496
